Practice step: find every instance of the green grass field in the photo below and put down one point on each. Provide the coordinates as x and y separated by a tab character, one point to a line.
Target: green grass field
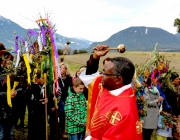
75	61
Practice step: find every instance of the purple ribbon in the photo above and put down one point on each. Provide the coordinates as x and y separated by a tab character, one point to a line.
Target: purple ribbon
44	30
32	49
33	32
16	43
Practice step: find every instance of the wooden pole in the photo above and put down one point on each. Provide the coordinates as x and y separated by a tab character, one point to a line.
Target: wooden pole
57	123
45	96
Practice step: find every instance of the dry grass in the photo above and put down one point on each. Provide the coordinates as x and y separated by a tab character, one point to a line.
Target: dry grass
75	61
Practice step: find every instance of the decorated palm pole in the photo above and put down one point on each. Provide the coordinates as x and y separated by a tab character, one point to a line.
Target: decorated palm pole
48	42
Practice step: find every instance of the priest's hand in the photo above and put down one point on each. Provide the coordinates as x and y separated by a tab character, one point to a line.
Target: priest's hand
100	50
88	133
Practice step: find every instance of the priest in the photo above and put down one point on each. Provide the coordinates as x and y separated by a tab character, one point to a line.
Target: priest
112	109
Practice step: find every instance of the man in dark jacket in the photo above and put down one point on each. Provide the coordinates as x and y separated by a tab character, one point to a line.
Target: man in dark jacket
173	99
6	118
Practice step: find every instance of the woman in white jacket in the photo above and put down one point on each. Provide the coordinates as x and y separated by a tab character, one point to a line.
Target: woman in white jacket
153	100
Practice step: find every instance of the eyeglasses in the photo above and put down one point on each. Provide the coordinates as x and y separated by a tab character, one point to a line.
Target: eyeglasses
109	74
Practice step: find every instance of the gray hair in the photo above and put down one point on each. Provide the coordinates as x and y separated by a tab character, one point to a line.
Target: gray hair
123	67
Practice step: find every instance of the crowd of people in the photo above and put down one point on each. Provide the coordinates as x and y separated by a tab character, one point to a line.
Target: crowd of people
91	105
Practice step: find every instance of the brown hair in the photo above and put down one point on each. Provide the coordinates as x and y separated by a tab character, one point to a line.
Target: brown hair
76	74
36	46
6	54
77	82
2	47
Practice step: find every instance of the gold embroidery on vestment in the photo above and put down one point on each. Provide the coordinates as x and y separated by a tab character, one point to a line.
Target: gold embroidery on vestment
138	127
115	118
99	121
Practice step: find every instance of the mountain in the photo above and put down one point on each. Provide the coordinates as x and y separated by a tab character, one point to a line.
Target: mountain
76	43
143	39
8	27
134	38
177	35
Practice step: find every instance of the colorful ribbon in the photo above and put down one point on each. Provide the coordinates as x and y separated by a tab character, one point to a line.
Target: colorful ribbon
28	68
16	43
9	91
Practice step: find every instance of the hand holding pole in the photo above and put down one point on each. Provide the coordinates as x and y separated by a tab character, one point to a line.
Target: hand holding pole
121	48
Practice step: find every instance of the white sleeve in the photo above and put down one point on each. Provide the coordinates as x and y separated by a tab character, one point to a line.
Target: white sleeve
88	138
87	79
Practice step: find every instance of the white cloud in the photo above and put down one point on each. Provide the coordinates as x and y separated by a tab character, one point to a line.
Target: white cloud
94	20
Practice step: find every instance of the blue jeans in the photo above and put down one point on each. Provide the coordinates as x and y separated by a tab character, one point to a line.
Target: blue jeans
6	131
78	136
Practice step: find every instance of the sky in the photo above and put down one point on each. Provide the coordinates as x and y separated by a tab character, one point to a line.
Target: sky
94	20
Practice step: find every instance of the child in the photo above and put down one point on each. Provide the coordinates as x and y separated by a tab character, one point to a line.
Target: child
75	111
76	75
164	126
36	119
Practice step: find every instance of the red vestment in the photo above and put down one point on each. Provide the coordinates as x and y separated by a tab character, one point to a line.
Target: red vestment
113	117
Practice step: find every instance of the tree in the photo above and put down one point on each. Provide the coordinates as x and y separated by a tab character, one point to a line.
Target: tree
82	51
75	52
177	24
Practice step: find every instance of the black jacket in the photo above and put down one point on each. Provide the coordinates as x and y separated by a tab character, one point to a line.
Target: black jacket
5	110
173	99
64	84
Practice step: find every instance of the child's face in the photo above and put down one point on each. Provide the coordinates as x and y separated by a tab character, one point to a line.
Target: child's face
78	89
40	81
78	73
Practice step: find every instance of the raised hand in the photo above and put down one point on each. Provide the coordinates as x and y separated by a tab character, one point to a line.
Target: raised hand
100	50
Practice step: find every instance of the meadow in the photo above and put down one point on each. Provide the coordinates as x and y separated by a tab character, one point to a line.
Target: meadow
75	61
78	60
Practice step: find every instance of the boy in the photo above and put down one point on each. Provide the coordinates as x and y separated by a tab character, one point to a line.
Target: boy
75	111
36	118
